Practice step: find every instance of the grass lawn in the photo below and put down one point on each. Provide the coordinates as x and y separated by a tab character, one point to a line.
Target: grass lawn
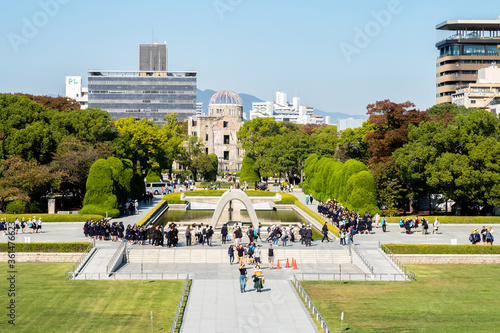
45	302
445	298
218	193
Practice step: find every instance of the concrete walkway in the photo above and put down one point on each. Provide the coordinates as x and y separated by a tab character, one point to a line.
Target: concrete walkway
218	306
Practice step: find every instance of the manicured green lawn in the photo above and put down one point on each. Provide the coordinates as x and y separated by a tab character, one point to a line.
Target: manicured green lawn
45	302
445	298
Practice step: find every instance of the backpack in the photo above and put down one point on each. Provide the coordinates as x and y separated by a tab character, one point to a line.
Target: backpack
471	238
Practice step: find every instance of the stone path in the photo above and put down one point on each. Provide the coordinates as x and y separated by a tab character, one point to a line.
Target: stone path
218	306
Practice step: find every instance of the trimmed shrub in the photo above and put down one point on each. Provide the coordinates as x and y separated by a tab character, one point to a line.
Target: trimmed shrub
153	211
362	193
442	249
47	247
286	199
16	206
248	171
100	197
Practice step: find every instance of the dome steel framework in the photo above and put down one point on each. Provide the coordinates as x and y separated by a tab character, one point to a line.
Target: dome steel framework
226	97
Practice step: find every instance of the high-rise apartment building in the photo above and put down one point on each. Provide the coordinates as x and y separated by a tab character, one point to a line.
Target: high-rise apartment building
472	45
153	57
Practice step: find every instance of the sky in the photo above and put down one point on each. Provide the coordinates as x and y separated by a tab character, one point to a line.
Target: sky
337	56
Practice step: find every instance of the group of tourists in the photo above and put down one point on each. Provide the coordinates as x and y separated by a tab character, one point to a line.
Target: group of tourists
409	225
34	225
199	234
129	207
486	235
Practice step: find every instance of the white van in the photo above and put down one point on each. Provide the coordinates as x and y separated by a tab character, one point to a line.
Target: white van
157	188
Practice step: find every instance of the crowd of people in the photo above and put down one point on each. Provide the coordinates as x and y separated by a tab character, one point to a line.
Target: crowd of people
347	221
486	235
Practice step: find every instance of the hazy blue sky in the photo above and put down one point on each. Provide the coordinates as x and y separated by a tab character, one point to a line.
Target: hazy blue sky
309	48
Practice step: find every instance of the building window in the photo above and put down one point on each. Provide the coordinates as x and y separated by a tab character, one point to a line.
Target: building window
226	139
224	124
472	101
226	155
206	137
206	150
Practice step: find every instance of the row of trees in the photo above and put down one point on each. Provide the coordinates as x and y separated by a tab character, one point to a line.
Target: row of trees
412	154
49	143
284	147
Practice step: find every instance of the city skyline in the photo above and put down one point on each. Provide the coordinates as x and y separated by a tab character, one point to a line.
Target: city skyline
336	57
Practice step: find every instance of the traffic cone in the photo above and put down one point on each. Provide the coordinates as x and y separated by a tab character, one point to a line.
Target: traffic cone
294	264
287	263
278	267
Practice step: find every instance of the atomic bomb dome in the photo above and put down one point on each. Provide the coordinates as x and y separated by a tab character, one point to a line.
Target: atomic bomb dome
226	103
225	97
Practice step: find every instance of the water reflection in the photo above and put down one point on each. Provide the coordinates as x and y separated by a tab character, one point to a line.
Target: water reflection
205	216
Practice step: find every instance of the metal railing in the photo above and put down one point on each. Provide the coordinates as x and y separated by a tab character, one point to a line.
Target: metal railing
309	303
354	250
396	261
119	252
76	266
351	276
126	276
179	306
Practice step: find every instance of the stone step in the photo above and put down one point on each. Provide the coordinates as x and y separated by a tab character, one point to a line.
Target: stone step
220	256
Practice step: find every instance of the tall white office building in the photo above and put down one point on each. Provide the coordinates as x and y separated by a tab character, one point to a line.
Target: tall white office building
282	110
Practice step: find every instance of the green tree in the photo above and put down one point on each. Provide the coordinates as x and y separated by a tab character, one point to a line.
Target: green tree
352	144
73	160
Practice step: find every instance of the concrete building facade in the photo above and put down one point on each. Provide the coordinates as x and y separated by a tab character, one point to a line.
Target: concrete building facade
282	110
473	45
153	57
218	129
484	94
149	95
75	91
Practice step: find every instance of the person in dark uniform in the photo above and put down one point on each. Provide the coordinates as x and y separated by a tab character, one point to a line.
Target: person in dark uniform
223	232
325	233
309	234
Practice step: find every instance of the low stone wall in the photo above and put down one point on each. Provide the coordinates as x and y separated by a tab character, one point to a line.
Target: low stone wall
177	206
42	256
453	259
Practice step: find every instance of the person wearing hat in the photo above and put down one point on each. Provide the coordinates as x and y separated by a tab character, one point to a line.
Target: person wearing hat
472	237
39	225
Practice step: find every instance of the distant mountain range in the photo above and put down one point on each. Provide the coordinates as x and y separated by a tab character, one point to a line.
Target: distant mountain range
205	95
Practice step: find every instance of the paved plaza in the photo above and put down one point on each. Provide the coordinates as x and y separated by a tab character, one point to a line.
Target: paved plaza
215	303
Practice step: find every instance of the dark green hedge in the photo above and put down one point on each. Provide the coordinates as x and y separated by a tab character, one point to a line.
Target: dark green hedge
442	249
51	217
47	247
